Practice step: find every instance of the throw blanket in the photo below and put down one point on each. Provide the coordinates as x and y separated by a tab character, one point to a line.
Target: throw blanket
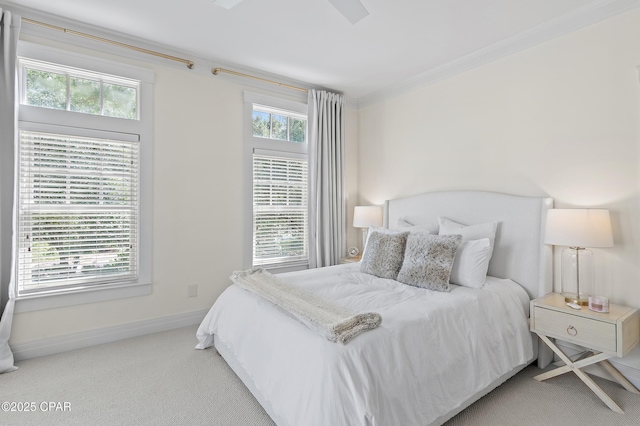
322	316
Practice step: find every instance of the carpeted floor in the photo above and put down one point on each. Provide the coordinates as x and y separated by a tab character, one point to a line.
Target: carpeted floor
161	380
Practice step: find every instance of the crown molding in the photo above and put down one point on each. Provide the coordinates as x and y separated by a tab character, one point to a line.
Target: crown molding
586	15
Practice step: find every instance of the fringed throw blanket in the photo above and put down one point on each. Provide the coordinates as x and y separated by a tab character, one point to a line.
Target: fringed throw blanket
322	316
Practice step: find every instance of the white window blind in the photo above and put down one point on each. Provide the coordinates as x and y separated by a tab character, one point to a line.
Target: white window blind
78	216
280	213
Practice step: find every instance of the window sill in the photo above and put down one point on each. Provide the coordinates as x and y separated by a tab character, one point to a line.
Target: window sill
81	297
285	267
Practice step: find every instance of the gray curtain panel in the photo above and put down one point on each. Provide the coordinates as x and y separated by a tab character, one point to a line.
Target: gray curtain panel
327	227
9	30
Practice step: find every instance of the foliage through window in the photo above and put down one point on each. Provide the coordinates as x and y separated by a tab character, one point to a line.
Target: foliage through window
84	179
78	210
50	86
282	125
279	209
279	190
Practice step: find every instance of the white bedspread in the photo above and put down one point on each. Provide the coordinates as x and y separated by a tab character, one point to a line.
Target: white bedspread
432	351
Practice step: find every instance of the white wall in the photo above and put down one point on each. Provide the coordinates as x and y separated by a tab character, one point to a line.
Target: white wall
560	119
197	204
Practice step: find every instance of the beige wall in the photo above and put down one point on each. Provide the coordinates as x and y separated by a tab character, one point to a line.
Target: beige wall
560	119
197	204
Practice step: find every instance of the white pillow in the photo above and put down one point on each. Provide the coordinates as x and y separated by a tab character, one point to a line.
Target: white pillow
470	232
472	260
402	223
471	263
405	225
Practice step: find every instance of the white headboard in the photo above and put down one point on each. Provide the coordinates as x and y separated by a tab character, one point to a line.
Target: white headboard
519	253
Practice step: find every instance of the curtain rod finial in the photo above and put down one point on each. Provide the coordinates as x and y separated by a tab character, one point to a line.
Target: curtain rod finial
190	65
215	71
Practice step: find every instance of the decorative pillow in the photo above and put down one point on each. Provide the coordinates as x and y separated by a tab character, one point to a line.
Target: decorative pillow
428	260
383	254
381	230
471	263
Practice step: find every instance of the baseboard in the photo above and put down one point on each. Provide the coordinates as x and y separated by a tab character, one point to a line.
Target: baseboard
629	366
83	339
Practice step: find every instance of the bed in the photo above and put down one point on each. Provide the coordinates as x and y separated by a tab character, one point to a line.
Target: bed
434	354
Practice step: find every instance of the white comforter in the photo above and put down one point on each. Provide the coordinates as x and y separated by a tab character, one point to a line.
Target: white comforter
432	351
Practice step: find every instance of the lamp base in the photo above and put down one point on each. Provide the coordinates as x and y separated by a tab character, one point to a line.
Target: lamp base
577	275
365	233
578	299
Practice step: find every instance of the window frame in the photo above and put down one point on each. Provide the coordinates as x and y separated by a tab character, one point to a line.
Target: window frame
263	145
82	124
276	111
72	72
291	209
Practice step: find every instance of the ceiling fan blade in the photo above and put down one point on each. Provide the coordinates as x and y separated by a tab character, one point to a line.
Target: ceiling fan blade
227	4
353	10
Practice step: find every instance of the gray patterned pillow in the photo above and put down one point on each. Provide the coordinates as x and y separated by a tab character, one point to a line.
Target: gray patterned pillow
428	260
383	255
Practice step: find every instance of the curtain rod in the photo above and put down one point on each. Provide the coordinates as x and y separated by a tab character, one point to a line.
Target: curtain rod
104	40
216	71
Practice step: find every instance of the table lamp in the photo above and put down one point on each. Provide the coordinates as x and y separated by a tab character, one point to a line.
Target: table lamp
364	217
577	229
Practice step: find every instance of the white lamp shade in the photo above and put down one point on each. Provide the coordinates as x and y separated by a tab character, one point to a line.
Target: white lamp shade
366	216
579	228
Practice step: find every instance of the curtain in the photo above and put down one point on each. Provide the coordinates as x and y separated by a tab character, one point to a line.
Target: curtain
327	227
9	30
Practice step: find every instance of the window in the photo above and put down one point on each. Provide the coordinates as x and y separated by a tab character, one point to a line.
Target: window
279	209
277	162
51	86
78	211
84	218
282	125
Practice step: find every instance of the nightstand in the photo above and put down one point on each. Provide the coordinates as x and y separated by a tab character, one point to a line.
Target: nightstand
344	260
607	335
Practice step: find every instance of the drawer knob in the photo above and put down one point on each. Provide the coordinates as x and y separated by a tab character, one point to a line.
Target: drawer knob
572	330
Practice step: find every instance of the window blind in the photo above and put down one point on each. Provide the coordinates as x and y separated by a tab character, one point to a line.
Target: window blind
280	213
78	213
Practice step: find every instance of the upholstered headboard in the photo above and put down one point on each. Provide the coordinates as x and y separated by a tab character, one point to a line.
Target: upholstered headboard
519	253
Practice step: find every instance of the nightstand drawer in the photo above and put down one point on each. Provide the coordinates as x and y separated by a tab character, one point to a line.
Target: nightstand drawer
572	328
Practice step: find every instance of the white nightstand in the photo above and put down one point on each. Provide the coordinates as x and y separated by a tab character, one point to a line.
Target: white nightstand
608	335
344	260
